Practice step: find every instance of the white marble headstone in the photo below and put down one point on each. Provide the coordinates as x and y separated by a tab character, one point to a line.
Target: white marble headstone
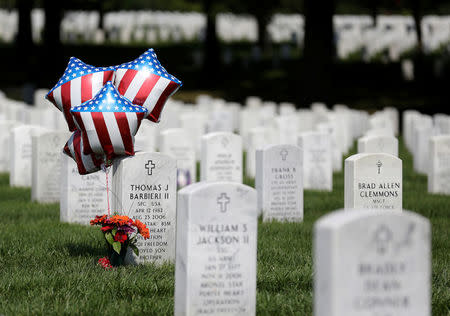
145	139
248	119
442	123
257	139
221	158
408	119
215	270
177	143
46	166
144	188
305	120
317	160
287	108
195	124
20	154
421	152
373	181
279	183
82	197
5	129
332	129
287	129
378	144
220	120
370	263
439	170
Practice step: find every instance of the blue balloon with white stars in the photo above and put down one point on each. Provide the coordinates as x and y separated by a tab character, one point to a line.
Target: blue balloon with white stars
108	99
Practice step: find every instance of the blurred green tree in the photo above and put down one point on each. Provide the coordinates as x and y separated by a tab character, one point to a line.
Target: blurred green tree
319	49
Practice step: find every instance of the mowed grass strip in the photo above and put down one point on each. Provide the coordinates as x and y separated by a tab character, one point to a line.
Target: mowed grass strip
48	267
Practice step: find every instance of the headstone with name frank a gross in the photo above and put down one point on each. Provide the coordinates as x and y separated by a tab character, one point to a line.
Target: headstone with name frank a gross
82	197
215	270
144	188
279	183
46	166
370	263
221	158
373	181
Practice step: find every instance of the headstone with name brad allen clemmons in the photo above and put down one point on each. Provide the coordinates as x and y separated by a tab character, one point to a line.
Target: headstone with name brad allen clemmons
279	183
369	263
373	181
215	270
144	188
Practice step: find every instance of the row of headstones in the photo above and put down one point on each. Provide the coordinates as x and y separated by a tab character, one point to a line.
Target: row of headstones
258	122
215	248
387	253
428	139
153	201
209	230
353	33
210	115
18	123
365	262
216	234
283	171
221	159
261	123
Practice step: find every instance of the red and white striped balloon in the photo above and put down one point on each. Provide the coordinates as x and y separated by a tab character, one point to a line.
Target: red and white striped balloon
85	163
108	123
79	83
145	82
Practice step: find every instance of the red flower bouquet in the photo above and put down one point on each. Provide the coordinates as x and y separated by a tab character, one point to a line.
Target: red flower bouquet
118	231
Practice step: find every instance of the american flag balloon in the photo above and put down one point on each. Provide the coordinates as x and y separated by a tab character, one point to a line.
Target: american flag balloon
145	82
108	123
85	163
79	83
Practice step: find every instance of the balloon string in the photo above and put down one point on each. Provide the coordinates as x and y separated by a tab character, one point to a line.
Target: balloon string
107	192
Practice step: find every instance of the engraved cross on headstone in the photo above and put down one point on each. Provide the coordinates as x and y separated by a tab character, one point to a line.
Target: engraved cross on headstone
379	164
224	141
381	145
283	154
383	236
223	200
150	166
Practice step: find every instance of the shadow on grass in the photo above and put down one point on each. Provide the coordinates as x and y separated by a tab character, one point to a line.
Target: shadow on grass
83	250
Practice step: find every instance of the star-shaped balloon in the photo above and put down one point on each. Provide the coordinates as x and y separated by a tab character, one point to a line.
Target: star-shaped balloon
85	163
108	123
79	83
144	81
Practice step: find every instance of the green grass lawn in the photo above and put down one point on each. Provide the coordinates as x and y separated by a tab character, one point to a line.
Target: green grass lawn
47	267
